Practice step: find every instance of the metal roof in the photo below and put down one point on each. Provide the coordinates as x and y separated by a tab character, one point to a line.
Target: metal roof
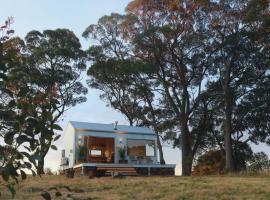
99	127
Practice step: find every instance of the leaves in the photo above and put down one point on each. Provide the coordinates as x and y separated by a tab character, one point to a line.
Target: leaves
33	172
9	138
27	164
36	89
57	137
58	194
12	190
23	91
57	127
23	174
204	58
46	195
53	147
22	138
26	112
12	103
49	95
5	176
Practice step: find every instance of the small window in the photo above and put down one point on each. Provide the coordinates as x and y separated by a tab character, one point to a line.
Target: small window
150	149
96	152
63	153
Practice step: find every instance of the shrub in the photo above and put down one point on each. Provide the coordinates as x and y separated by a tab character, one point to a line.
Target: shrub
210	163
122	152
48	171
81	153
258	162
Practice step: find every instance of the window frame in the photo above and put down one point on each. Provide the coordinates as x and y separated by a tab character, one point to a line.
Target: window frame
148	140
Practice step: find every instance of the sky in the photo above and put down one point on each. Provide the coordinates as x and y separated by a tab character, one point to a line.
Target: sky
75	15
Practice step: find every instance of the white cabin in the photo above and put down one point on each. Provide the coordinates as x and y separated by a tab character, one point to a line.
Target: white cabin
93	144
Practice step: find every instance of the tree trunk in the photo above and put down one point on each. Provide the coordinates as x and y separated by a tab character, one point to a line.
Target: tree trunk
161	156
160	150
40	167
187	157
43	153
228	131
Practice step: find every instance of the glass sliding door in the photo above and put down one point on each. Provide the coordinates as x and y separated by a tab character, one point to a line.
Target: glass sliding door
99	149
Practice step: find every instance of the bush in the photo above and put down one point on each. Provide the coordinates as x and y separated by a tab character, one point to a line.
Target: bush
81	153
258	162
122	152
210	163
48	171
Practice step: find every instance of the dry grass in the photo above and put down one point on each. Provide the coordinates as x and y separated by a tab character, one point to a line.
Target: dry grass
208	188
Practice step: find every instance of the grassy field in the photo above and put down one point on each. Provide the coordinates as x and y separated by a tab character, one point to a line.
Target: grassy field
169	188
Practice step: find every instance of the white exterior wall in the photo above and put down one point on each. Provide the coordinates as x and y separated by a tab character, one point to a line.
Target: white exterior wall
69	141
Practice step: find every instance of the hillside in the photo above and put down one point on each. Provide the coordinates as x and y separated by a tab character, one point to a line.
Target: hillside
198	188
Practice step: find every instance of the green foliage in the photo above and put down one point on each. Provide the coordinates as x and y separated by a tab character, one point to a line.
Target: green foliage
201	64
24	116
23	174
259	162
55	62
48	171
239	65
122	152
33	97
53	147
165	90
210	163
46	195
81	152
57	192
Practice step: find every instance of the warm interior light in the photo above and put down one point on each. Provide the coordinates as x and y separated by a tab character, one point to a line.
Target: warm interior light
120	140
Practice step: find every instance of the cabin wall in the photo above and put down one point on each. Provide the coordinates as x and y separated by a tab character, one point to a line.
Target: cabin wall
69	142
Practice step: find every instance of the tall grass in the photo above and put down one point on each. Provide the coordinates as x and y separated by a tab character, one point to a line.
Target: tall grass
235	187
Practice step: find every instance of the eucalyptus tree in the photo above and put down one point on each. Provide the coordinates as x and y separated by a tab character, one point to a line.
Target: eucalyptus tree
117	88
251	120
119	76
15	113
168	38
199	60
22	113
55	63
172	37
239	63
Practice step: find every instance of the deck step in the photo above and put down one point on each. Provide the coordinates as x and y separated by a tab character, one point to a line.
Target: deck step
116	169
125	171
110	173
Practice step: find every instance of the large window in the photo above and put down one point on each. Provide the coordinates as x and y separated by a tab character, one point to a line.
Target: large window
140	147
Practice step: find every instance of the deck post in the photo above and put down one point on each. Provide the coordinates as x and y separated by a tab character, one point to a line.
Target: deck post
87	144
83	170
149	171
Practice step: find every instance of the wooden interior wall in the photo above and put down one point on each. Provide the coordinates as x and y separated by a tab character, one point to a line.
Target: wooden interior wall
106	145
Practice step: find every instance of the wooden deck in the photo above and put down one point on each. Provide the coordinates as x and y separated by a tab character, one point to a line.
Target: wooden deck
124	165
103	169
